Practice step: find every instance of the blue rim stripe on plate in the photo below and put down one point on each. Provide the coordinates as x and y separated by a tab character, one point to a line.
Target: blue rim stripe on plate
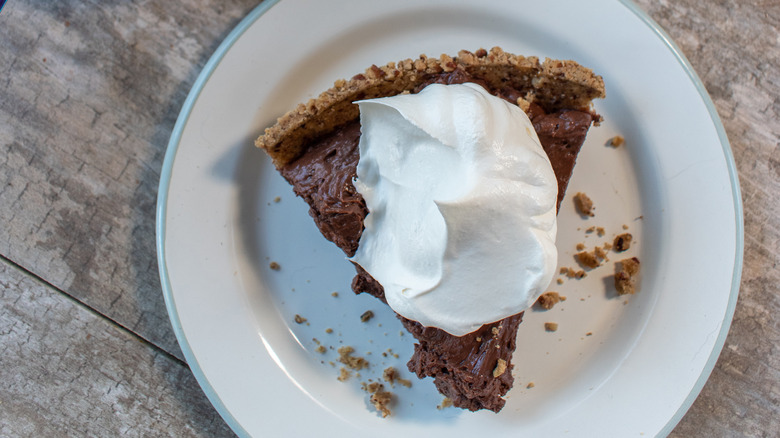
162	201
208	69
738	219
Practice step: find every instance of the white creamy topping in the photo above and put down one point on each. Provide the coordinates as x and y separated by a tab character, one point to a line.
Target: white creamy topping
462	206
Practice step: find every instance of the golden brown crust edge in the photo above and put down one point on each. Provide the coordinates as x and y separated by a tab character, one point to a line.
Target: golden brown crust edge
553	84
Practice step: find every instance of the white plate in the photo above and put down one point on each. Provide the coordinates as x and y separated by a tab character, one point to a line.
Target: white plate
219	228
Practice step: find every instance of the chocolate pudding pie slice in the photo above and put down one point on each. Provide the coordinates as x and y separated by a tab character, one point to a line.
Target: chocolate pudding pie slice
315	147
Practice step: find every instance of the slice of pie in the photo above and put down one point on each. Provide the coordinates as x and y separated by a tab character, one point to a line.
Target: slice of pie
315	147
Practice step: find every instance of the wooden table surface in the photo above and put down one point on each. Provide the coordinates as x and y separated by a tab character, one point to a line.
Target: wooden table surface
90	93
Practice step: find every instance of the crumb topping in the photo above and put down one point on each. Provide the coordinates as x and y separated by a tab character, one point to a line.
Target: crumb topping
626	276
500	368
352	362
553	84
344	374
380	398
588	259
299	319
616	141
445	403
573	273
600	253
549	299
391	376
583	204
366	316
622	242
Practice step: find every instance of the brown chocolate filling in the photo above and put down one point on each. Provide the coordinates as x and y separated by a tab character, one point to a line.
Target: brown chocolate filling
462	367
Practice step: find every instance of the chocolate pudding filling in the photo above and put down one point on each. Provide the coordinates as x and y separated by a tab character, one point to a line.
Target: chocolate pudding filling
465	369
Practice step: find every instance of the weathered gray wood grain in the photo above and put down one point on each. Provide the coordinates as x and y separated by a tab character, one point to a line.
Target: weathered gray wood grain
90	92
67	371
735	48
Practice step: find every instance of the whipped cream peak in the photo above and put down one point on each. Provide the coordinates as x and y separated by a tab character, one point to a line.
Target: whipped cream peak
462	206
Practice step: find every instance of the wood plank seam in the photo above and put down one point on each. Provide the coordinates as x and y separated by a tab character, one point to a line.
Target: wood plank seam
81	304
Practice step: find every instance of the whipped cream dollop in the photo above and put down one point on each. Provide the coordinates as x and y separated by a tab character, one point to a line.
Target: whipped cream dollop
462	206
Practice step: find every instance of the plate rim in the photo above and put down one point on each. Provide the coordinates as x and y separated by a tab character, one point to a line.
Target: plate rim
162	201
736	193
247	22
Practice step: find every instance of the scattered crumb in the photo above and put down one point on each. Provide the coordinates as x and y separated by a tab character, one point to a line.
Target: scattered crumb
321	349
580	246
625	227
591	229
571	273
600	253
623	242
523	104
588	259
589	334
367	315
353	362
625	278
559	281
329	330
379	397
548	299
299	319
530	385
607	246
551	326
500	368
583	204
334	294
445	403
275	266
600	231
391	375
616	141
277	199
344	375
